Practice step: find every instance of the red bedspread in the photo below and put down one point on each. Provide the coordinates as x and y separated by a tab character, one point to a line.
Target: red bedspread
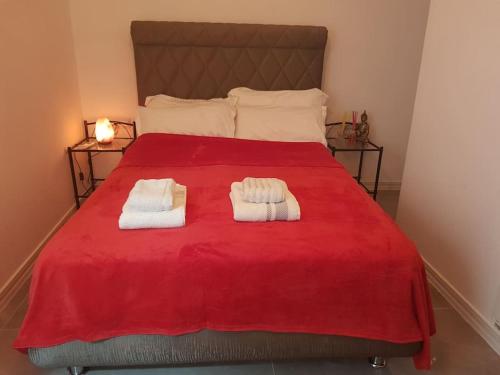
345	268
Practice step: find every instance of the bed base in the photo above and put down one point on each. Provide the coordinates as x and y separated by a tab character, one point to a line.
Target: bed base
212	347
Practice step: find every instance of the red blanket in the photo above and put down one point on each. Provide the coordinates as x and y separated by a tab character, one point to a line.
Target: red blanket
345	268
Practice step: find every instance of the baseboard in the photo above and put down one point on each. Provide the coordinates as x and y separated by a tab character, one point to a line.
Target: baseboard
384	185
10	289
469	313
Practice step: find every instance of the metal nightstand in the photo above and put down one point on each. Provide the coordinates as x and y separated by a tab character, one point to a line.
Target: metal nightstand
119	144
345	145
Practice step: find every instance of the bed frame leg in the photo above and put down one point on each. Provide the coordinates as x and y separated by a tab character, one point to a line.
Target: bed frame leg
377	362
75	370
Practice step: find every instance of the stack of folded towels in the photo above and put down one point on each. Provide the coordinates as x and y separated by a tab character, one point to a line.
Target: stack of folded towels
154	204
263	199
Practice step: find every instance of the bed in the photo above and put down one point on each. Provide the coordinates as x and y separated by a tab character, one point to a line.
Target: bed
343	281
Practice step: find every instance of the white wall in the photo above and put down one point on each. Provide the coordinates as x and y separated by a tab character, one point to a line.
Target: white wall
450	198
39	116
372	59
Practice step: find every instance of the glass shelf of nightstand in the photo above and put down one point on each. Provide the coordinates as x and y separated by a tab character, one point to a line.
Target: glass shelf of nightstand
117	145
342	144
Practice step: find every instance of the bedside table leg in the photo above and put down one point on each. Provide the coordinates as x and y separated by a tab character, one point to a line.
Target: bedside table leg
360	166
379	164
91	170
73	178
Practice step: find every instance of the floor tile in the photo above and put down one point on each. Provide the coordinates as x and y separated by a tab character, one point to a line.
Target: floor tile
455	338
17	319
388	200
456	350
438	301
11	361
337	367
7	314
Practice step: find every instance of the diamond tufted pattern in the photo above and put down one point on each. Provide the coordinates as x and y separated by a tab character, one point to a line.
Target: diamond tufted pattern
206	60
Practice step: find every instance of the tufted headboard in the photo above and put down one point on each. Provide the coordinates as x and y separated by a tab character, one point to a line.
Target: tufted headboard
206	60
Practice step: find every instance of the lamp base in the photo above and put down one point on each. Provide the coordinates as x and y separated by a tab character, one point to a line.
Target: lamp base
105	142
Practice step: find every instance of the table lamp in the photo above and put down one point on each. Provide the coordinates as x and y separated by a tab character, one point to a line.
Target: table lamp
104	132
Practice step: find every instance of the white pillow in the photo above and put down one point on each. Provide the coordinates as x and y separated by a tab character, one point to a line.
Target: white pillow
205	118
286	124
283	98
161	101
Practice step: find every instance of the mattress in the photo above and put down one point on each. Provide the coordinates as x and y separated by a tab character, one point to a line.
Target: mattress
344	269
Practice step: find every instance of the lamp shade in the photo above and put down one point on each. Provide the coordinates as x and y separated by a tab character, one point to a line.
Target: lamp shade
104	132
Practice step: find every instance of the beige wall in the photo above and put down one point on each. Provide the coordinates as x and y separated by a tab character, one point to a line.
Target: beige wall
450	199
372	59
40	115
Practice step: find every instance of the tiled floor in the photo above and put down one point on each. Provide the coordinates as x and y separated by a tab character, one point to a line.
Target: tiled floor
456	348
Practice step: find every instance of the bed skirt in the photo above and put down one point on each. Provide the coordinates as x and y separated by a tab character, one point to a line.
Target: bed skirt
207	347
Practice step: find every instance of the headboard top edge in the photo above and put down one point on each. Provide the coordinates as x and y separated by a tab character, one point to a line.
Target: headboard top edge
225	34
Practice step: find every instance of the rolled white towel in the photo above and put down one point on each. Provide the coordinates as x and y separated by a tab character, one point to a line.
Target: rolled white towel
151	195
287	210
176	217
263	190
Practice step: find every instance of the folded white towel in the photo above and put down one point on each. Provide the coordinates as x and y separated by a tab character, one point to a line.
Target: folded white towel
288	210
263	190
176	217
151	195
